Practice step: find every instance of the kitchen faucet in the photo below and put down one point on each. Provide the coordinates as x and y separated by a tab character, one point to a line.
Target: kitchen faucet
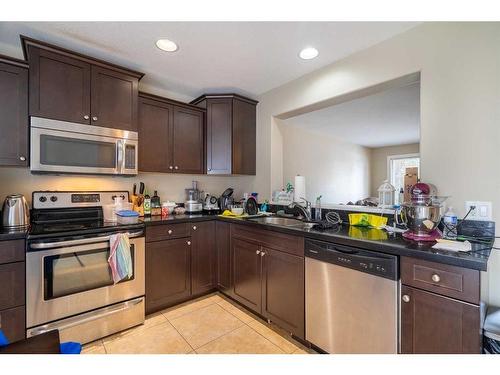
305	211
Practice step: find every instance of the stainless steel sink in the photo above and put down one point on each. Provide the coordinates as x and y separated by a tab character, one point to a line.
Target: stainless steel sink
277	221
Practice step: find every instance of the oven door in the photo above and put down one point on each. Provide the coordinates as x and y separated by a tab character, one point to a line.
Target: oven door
76	278
64	147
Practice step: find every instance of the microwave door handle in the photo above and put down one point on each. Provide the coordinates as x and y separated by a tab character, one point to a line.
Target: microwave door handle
120	149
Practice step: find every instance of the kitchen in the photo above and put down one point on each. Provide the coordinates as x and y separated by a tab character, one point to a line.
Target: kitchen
87	125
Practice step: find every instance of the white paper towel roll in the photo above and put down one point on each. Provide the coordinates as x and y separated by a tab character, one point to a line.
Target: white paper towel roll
300	188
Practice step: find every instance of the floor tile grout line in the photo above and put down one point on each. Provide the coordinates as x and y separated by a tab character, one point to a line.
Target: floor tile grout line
184	338
202	307
265	338
225	334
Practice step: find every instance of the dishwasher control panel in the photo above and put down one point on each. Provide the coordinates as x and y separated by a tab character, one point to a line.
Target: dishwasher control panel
378	264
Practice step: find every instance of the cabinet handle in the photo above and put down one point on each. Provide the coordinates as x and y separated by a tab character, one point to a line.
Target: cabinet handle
176	167
171	167
94	118
406	298
22	158
194	227
169	231
189	243
209	169
262	253
436	278
257	252
86	117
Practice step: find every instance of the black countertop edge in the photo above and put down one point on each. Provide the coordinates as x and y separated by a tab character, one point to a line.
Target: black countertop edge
13	234
174	219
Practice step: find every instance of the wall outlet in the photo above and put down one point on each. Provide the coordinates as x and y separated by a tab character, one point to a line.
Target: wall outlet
483	210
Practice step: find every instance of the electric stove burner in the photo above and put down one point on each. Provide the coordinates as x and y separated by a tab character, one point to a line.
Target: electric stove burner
429	237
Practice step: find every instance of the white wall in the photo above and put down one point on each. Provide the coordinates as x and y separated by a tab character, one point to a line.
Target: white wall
379	162
336	169
460	110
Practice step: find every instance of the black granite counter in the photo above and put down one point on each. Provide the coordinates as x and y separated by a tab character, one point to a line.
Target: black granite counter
7	234
173	219
382	241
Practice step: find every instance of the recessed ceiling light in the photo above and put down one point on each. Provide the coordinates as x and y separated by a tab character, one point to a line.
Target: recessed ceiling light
308	53
166	45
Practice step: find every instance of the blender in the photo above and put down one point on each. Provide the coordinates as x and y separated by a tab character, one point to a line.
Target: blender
193	203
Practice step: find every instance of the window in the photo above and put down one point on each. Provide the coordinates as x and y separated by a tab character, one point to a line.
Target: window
397	165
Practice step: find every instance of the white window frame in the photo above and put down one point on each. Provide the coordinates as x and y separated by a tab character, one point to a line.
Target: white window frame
401	156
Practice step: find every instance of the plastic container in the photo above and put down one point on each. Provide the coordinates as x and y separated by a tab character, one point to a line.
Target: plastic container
167	208
317	209
450	222
127	217
108	211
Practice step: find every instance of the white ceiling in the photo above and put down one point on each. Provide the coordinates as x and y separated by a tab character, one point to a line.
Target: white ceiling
387	118
249	58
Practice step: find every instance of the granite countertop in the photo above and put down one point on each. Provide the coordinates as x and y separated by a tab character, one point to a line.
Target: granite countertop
12	234
382	241
174	219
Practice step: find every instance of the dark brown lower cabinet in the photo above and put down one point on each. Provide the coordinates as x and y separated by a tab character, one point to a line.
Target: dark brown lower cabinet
12	323
283	290
247	271
435	324
223	246
202	257
168	273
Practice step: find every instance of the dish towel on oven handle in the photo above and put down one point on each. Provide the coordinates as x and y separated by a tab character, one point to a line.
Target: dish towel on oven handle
120	260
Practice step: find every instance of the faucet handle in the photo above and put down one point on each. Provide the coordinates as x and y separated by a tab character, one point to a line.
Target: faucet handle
308	204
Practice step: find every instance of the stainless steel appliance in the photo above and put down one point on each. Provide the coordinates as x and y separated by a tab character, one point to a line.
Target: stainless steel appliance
65	147
351	299
226	199
69	286
211	204
193	203
15	211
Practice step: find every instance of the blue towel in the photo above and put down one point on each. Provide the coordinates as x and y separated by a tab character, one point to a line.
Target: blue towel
70	347
3	339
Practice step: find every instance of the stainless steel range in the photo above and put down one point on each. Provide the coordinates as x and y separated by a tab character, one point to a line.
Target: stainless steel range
69	286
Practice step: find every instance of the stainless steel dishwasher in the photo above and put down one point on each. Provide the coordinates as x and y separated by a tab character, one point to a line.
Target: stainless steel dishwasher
351	299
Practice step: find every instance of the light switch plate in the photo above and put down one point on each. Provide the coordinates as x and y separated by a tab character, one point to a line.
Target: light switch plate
483	210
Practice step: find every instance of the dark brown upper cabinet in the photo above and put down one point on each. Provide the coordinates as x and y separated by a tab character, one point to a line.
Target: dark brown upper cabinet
13	112
231	133
68	86
171	136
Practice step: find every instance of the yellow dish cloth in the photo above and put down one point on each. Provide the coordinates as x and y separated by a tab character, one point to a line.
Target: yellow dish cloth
367	220
228	213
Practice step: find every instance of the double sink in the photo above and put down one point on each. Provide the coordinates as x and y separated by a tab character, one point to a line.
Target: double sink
283	221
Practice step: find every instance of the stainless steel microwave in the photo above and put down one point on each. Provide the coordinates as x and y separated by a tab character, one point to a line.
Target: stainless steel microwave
66	147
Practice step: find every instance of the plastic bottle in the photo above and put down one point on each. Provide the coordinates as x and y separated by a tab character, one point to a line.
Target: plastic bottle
450	221
147	205
317	209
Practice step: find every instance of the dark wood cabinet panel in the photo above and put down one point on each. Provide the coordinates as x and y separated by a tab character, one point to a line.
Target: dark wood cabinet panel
167	232
283	290
244	137
155	139
12	323
219	136
168	273
247	274
223	244
12	251
13	115
434	324
456	282
188	145
59	86
12	285
202	256
114	99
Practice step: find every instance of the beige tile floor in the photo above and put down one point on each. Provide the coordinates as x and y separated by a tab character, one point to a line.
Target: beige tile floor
208	325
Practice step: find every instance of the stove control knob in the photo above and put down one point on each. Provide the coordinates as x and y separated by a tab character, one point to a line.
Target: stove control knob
53	198
43	199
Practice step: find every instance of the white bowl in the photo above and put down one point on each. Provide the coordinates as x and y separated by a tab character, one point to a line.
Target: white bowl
237	210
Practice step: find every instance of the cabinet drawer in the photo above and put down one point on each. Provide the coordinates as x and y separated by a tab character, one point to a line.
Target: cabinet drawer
456	282
274	240
12	251
167	231
11	285
12	323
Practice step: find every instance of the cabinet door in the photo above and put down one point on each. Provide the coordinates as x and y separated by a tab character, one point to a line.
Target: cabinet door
247	273
155	141
59	87
219	136
12	281
244	137
203	256
433	324
12	323
223	238
283	290
114	99
188	148
168	273
13	115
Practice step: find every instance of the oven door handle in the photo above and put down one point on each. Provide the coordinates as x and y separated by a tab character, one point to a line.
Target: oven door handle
50	245
88	317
